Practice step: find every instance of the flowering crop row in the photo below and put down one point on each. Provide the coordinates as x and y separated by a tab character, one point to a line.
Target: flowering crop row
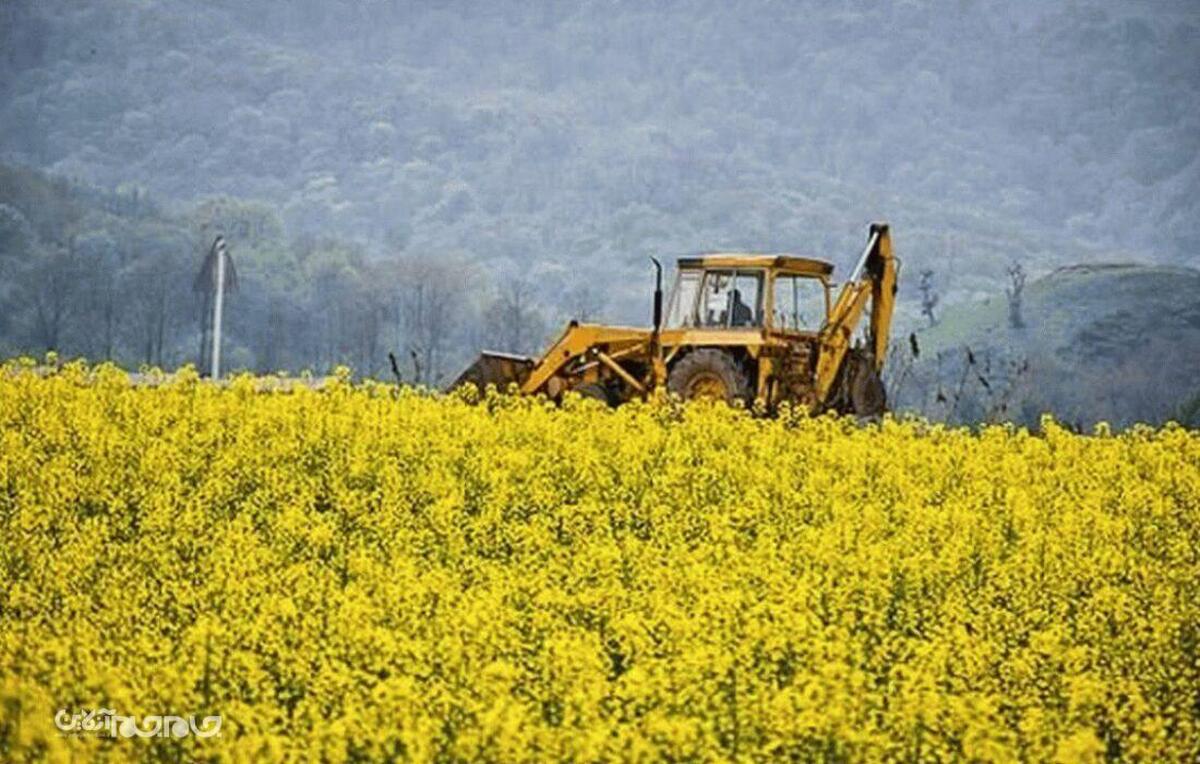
358	572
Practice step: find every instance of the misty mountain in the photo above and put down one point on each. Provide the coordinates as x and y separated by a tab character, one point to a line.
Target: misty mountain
595	133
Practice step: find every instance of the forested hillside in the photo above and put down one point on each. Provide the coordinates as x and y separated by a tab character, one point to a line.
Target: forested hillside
112	275
539	151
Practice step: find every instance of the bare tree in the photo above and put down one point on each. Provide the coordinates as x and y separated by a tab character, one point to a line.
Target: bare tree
428	307
49	284
513	318
1015	290
100	257
929	298
902	358
583	301
1009	387
156	277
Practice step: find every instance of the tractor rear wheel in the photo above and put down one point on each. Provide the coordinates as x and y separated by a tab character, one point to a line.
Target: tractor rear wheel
709	373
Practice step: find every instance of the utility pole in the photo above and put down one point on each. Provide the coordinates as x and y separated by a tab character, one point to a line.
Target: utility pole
217	274
218	307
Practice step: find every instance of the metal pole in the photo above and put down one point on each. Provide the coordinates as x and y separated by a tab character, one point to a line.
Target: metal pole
218	306
862	261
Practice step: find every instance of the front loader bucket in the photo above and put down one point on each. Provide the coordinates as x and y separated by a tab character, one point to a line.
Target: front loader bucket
497	369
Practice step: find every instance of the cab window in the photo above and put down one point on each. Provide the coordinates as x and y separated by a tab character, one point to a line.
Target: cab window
799	304
682	312
731	299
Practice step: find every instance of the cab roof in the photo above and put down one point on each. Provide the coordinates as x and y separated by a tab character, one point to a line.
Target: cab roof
781	261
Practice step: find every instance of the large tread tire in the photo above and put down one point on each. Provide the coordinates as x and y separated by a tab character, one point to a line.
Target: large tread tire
710	373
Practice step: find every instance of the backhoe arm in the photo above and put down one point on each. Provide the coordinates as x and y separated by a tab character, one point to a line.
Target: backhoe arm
883	294
873	280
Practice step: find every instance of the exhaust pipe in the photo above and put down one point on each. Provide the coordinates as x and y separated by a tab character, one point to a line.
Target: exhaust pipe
658	367
658	295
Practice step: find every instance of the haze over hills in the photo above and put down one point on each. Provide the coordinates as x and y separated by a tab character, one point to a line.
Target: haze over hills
543	150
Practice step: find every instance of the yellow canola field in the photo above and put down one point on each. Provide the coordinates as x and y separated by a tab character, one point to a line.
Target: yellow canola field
358	573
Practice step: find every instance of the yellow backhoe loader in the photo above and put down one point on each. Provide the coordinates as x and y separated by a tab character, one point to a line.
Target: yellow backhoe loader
738	327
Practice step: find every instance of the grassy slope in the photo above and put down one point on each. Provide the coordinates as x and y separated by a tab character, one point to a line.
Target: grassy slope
1118	342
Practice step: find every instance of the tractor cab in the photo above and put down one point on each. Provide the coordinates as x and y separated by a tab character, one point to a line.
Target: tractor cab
779	293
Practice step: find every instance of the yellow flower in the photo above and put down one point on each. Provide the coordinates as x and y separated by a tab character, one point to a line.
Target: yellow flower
354	572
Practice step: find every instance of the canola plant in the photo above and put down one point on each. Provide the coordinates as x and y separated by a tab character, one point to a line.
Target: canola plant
364	573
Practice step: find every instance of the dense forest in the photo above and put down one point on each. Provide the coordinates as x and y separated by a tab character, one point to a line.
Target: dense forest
112	275
426	178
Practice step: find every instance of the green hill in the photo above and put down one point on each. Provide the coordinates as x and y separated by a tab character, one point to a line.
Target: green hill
1108	342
